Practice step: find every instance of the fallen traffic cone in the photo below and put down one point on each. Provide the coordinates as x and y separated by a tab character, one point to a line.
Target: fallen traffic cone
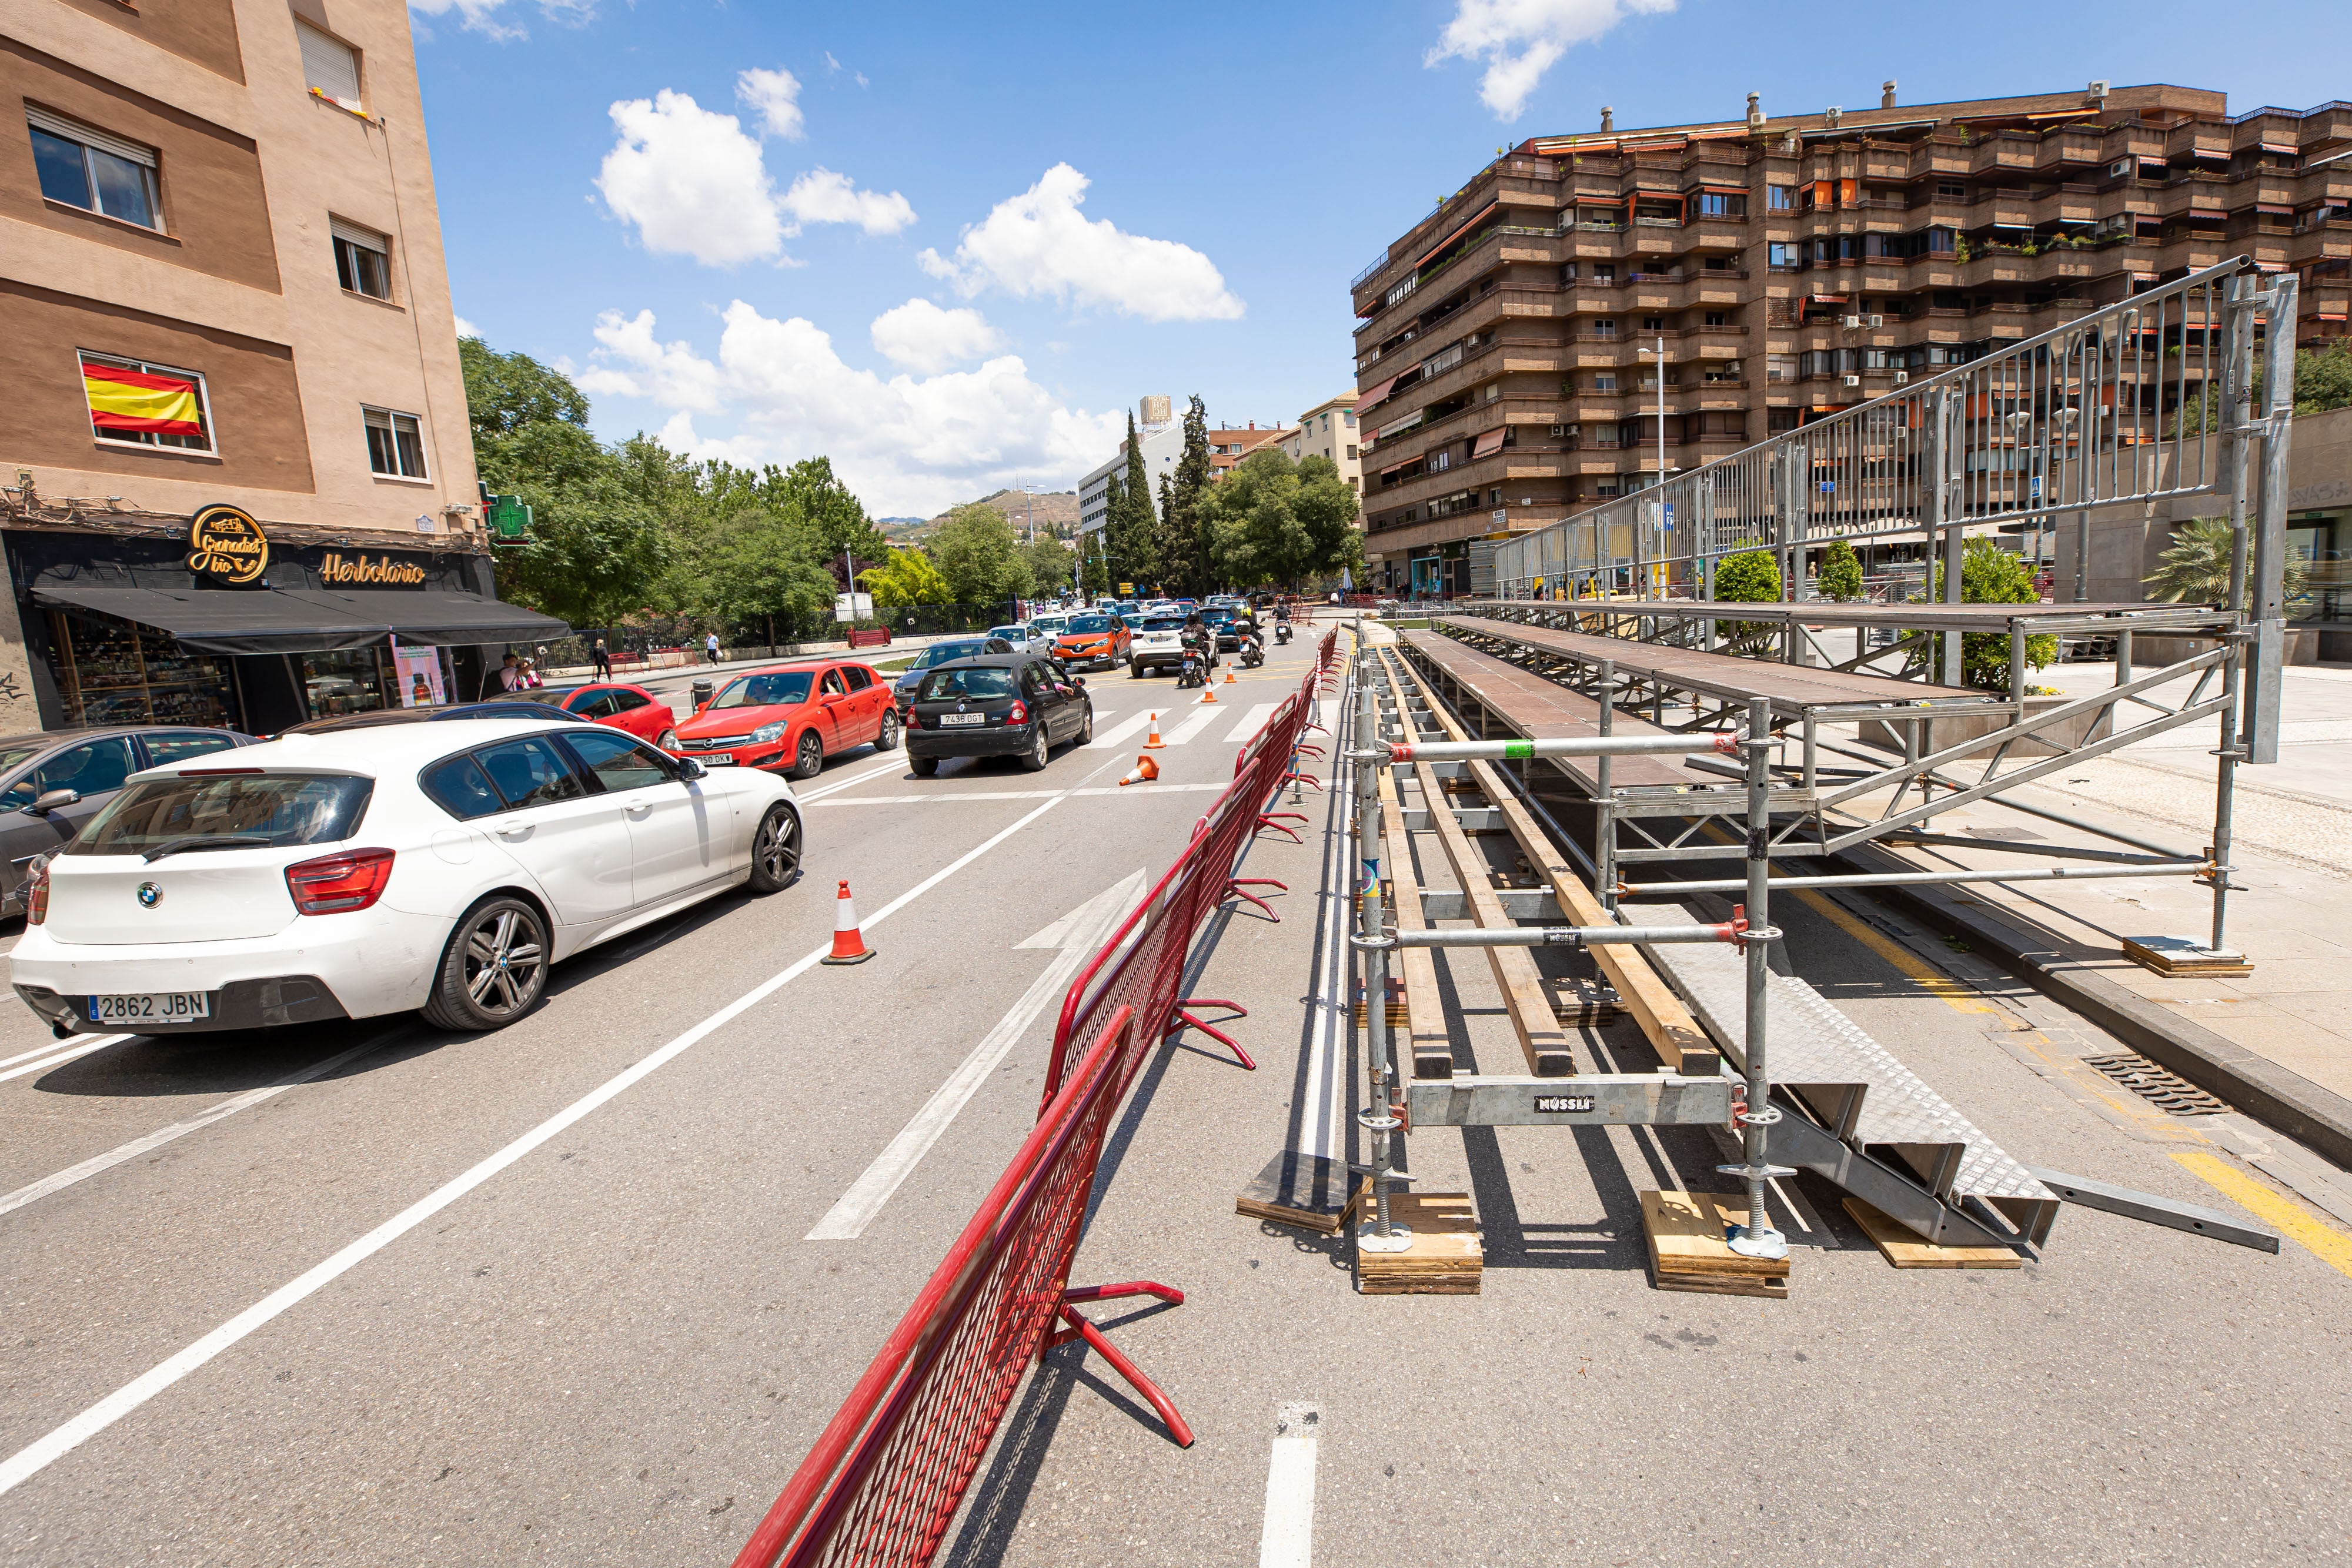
1229	676
848	944
1152	742
1145	770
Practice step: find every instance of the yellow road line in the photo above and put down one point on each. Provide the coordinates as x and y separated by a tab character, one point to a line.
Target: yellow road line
2328	1245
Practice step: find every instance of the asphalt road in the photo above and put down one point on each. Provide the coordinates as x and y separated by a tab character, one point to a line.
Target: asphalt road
550	1296
441	1302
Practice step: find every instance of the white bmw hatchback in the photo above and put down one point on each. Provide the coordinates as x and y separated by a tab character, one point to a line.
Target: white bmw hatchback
440	867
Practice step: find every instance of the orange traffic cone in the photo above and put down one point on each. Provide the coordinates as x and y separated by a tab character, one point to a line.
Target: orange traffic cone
1229	674
1145	770
1152	742
848	944
1209	694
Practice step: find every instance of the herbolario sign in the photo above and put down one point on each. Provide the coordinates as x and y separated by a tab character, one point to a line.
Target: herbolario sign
363	571
228	545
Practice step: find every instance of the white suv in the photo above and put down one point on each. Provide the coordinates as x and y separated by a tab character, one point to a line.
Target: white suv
346	873
1159	645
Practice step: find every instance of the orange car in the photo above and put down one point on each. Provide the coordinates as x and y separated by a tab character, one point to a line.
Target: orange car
1092	638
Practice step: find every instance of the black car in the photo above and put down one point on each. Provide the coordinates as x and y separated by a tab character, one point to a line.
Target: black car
998	705
51	784
902	690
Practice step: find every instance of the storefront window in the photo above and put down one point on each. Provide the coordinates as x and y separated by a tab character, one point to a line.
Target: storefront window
359	679
112	672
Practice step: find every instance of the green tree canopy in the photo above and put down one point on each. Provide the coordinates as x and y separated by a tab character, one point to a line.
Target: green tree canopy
977	553
907	577
1051	563
765	566
1186	547
1129	527
1840	573
1274	521
1991	575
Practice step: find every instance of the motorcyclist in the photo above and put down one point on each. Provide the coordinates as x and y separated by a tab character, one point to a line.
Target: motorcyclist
1253	640
1196	642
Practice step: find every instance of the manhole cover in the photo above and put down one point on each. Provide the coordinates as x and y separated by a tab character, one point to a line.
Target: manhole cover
2169	1092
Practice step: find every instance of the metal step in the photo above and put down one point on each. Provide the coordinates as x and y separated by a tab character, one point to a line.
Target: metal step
1860	1095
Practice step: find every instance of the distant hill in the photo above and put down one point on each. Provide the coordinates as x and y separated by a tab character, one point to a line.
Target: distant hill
1056	509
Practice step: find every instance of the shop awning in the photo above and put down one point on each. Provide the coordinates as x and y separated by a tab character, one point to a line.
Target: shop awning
304	620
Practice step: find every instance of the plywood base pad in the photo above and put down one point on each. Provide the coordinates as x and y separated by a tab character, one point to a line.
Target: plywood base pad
1685	1231
1445	1258
1904	1249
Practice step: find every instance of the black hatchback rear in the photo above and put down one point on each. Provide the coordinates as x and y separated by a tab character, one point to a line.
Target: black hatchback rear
1001	704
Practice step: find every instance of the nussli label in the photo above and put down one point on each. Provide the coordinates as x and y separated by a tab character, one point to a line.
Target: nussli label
226	545
363	571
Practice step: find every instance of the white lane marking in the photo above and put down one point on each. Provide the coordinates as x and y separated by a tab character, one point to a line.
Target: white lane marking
1075	934
89	1167
50	1047
68	1054
1134	724
1286	1539
895	765
944	797
1201	720
1252	722
37	1456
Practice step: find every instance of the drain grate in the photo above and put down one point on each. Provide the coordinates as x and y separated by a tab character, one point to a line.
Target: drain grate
2169	1092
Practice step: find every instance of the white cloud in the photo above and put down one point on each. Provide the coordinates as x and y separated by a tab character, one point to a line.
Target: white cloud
775	97
631	363
482	15
922	337
821	196
692	181
908	444
467	329
1038	242
831	65
1521	40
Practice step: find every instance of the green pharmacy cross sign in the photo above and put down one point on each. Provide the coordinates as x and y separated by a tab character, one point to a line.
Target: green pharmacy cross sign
510	518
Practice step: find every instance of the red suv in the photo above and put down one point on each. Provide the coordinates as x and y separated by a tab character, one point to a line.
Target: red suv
792	717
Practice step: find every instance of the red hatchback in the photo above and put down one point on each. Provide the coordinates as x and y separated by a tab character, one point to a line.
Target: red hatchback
791	718
632	708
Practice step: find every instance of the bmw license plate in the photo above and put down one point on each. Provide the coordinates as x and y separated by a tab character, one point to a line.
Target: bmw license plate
957	719
136	1008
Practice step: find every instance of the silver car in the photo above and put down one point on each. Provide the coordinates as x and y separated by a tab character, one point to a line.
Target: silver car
51	784
1026	638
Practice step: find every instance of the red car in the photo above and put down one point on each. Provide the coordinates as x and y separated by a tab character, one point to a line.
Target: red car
632	708
792	717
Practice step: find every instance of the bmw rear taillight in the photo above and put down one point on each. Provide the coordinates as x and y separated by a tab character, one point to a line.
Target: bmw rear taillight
1019	714
37	894
337	883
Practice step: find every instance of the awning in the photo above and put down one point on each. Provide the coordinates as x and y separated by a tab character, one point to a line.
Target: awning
1377	392
304	620
1488	445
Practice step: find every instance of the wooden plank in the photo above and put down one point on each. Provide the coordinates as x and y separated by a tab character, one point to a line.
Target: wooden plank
1684	1234
1541	1040
1299	1189
1446	1258
1431	1044
1546	710
1904	1249
1665	1022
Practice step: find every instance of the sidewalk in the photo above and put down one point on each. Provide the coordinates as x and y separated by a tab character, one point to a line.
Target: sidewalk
2293	849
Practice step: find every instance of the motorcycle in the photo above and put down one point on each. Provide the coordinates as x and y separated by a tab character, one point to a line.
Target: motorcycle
1191	673
1282	633
1252	652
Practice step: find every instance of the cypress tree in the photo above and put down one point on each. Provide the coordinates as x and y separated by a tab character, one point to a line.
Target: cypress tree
1189	548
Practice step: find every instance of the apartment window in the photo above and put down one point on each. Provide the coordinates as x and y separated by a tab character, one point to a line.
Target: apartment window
1717	319
1951	190
1780	198
85	168
1441	459
1782	254
1780	421
1605	380
1654	323
396	444
1352	453
1349	416
363	259
1719	205
330	67
146	404
1606	327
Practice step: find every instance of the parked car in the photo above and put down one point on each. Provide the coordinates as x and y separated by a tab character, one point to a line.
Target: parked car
792	717
51	784
1093	639
376	870
1159	645
1023	638
1000	704
903	689
624	707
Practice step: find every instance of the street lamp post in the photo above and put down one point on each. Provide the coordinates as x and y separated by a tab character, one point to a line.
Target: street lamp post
1643	589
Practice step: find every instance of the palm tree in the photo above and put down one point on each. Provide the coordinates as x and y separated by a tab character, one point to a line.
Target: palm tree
2196	567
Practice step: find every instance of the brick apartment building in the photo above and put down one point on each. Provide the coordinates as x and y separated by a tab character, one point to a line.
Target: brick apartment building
228	320
1793	266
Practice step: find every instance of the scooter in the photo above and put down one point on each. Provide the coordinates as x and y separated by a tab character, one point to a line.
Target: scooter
1253	653
1190	673
1282	633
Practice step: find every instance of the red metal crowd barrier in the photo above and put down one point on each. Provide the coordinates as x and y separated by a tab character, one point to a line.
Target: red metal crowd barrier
886	1476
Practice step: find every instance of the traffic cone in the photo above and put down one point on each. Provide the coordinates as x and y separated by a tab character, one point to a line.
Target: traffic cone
1209	694
848	944
1145	770
1152	742
1229	674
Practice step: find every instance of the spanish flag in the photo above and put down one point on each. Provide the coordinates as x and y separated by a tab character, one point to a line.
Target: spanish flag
134	400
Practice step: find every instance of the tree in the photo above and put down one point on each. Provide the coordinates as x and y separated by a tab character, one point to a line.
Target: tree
2323	382
1050	564
907	577
1840	573
1273	521
1128	525
1751	577
1186	549
593	558
1991	575
766	565
978	554
2196	567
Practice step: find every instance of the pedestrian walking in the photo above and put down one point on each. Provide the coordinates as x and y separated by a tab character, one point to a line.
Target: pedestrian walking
601	657
711	648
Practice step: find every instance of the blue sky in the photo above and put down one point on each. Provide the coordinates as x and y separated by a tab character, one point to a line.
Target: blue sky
949	245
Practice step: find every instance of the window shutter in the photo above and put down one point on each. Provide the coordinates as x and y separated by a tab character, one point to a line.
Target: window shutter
58	125
352	234
332	67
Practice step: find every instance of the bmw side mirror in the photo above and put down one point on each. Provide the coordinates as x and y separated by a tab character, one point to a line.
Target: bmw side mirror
53	800
689	770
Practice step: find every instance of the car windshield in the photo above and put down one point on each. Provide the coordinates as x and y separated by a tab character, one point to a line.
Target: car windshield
945	654
1082	624
1010	633
271	809
781	688
983	681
